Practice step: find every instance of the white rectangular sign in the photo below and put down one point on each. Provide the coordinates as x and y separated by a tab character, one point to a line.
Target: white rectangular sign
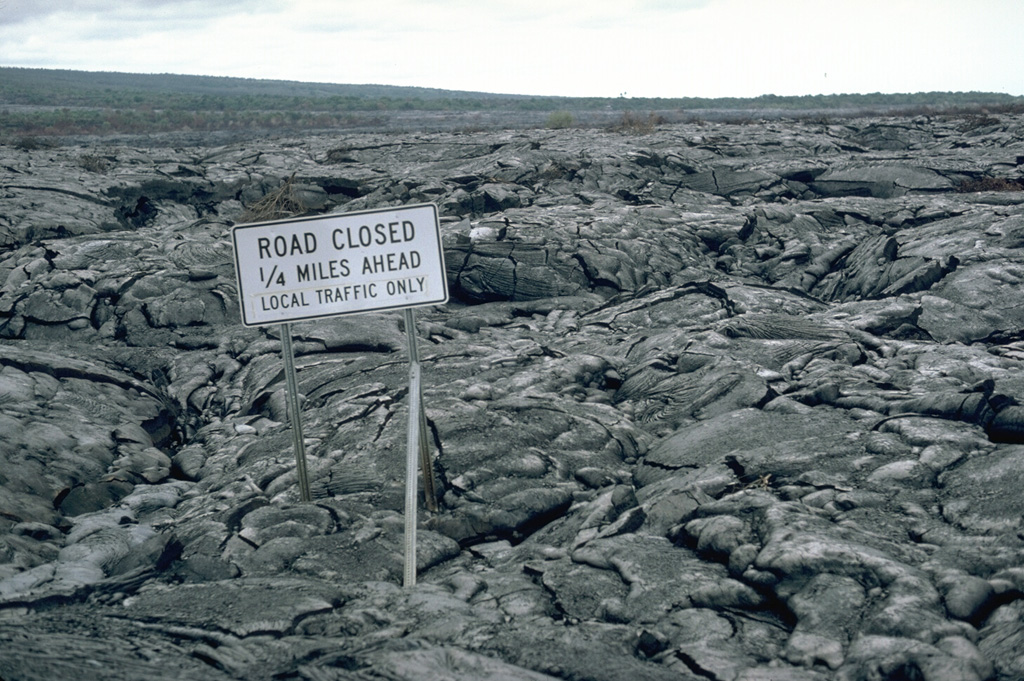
324	266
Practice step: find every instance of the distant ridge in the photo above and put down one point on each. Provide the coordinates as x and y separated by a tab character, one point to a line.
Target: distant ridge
64	87
16	77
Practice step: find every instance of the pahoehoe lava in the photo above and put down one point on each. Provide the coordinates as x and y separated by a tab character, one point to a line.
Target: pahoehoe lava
716	401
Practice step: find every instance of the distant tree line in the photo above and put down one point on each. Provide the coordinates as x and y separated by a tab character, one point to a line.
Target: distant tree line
109	121
58	102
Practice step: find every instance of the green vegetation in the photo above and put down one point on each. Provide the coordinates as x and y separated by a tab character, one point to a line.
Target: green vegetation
100	121
559	120
37	102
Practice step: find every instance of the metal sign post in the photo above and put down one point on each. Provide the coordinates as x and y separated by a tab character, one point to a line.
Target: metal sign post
416	449
422	445
293	410
412	447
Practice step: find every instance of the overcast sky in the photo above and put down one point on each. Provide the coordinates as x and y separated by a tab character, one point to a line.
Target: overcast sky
636	48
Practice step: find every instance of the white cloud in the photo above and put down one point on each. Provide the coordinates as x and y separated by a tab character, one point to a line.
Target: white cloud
23	11
567	47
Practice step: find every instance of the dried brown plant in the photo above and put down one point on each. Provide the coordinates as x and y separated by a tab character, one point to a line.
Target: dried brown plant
283	202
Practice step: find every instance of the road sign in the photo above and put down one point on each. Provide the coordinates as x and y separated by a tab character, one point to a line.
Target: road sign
330	265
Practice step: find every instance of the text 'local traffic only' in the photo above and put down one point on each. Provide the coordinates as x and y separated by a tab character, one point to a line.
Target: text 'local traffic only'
339	264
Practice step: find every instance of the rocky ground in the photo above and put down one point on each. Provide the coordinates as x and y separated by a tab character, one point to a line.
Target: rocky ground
730	402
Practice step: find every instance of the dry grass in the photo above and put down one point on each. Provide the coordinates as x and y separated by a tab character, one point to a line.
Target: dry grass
339	155
633	124
283	202
991	184
975	121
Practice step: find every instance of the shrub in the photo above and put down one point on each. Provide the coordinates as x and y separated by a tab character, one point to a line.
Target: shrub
94	164
32	143
559	120
633	124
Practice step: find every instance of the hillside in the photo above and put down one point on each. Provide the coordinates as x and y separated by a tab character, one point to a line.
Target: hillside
33	83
